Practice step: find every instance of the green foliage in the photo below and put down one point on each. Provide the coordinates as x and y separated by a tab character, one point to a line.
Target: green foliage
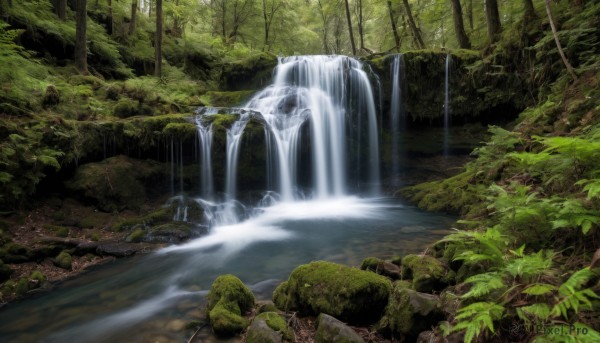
478	318
572	296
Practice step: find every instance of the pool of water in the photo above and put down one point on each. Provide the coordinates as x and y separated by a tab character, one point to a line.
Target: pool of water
150	298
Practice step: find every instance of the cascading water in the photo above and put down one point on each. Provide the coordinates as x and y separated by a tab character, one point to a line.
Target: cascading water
397	118
205	137
447	106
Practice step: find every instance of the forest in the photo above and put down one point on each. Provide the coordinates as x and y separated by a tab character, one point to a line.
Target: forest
299	171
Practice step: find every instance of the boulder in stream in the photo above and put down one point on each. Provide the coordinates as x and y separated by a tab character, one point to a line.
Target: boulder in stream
331	330
269	327
228	300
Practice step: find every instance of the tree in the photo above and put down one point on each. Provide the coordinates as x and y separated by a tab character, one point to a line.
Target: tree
558	45
268	15
60	8
529	10
133	16
158	40
413	26
459	26
109	24
349	21
394	29
81	36
493	20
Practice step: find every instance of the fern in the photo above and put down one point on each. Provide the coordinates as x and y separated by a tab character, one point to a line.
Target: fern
483	284
539	289
572	213
530	266
477	318
592	187
572	297
538	312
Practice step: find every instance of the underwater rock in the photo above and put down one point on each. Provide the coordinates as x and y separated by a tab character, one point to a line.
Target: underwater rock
350	294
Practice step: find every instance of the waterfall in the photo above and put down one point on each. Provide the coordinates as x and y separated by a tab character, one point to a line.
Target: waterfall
205	137
447	106
321	90
234	135
397	116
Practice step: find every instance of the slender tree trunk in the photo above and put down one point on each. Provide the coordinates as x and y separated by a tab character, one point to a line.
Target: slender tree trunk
109	25
393	22
133	17
413	26
158	39
470	13
266	22
459	26
224	19
529	10
361	28
493	20
60	8
80	36
349	21
558	45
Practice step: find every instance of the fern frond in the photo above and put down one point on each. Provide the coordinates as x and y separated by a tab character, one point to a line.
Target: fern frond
476	318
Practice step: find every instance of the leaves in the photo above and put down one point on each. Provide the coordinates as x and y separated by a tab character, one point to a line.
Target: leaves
477	318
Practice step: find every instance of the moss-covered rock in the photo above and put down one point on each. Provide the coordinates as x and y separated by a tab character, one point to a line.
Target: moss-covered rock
381	267
331	330
226	99
170	232
228	300
137	235
409	312
252	72
349	294
116	183
180	130
126	108
5	272
269	327
426	272
15	253
51	97
63	260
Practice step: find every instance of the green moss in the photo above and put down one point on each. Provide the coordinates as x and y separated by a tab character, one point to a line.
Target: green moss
64	260
228	300
180	130
277	323
5	272
426	272
15	253
136	236
126	108
349	294
223	120
159	216
59	231
51	97
226	99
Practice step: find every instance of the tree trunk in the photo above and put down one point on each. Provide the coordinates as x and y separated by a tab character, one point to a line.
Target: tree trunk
80	36
266	23
158	40
133	17
529	10
413	26
558	45
459	26
60	8
493	20
109	24
470	13
349	21
393	22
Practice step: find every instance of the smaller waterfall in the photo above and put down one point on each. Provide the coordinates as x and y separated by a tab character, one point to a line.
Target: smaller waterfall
234	135
447	107
397	119
205	138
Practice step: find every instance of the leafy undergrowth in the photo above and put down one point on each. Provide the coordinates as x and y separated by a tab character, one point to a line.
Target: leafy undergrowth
531	204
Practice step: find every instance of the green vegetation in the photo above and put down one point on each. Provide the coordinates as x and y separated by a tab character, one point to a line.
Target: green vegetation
228	300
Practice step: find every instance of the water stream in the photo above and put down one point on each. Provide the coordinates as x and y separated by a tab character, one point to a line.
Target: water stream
149	297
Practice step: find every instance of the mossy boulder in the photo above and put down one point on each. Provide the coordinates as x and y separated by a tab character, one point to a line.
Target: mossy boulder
269	327
64	260
126	108
426	272
228	300
252	72
180	130
350	294
116	183
15	253
409	312
226	99
51	97
331	330
5	272
381	267
173	232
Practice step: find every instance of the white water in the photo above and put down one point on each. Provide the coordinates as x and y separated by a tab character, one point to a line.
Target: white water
396	114
205	138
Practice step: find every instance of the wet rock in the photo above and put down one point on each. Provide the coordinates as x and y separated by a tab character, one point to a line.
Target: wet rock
409	312
174	232
176	325
427	273
269	327
351	294
331	330
228	300
381	267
